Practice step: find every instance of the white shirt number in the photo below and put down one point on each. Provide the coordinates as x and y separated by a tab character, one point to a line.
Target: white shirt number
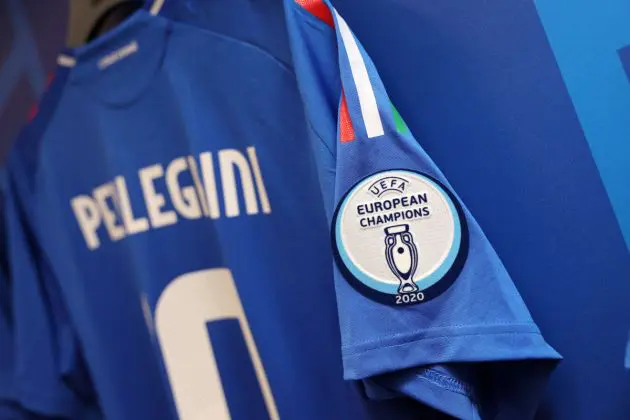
185	307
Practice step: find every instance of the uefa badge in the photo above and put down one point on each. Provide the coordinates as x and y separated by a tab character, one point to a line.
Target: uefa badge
400	237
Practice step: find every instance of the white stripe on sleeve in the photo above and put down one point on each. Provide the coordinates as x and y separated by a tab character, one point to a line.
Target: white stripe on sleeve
367	99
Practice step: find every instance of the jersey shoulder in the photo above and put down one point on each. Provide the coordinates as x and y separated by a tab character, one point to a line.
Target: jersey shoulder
260	24
26	146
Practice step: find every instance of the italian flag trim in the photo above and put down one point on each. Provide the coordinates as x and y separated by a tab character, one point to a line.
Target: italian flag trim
320	10
367	98
365	92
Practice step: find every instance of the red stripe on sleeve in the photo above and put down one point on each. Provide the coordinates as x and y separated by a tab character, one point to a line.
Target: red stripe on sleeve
318	9
346	130
34	109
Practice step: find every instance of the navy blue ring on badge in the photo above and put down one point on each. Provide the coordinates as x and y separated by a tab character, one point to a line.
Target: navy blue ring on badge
429	293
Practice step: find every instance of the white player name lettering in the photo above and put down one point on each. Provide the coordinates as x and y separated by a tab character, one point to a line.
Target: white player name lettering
109	209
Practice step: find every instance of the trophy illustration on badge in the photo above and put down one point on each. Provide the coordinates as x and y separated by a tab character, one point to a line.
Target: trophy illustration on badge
401	253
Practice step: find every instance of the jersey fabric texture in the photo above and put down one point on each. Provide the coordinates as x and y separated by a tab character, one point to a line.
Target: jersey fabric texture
432	351
169	257
6	337
37	332
9	408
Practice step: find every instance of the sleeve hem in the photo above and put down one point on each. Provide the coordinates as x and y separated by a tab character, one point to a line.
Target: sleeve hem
444	399
481	344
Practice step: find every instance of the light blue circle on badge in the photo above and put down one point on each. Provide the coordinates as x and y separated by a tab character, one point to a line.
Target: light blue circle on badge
423	283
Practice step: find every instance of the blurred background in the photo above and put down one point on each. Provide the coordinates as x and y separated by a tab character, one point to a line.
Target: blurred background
31	34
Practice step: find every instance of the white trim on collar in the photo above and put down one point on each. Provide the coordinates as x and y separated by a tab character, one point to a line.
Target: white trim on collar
156	7
66	61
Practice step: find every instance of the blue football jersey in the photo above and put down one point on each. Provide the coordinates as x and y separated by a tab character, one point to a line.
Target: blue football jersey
169	241
423	298
6	337
9	407
6	343
40	330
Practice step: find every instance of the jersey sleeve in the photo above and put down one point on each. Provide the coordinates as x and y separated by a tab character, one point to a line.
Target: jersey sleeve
7	392
6	335
46	357
9	407
424	301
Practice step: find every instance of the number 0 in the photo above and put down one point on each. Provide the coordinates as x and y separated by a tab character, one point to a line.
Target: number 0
182	313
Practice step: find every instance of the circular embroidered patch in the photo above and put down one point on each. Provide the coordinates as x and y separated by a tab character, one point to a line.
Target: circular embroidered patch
400	237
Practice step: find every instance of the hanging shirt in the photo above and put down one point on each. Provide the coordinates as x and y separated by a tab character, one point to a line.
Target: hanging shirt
168	234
